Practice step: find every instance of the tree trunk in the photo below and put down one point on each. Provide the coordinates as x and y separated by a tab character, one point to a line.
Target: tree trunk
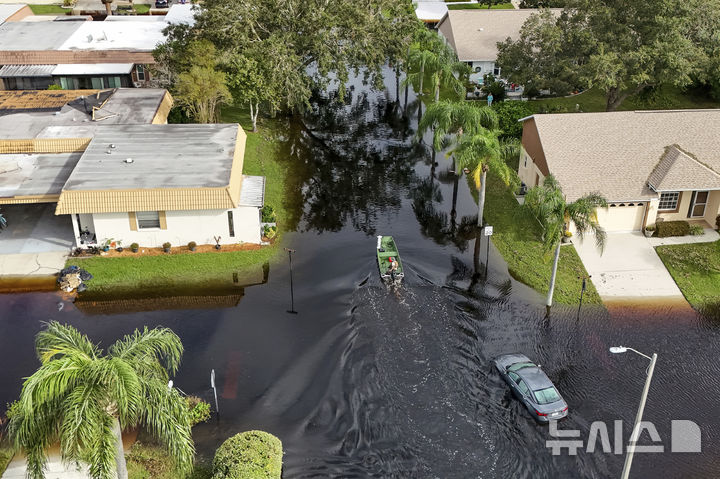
614	97
548	303
437	93
407	88
481	198
253	115
108	8
397	85
422	77
120	464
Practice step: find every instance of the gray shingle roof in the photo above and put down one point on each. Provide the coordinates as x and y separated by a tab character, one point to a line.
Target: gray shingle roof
474	34
615	153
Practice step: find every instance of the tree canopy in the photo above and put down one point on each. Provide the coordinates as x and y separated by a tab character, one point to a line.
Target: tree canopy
276	52
617	46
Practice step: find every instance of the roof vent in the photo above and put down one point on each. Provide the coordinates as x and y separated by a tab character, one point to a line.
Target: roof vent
128	160
112	145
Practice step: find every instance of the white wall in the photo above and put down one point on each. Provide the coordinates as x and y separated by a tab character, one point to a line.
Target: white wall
182	227
485	66
528	171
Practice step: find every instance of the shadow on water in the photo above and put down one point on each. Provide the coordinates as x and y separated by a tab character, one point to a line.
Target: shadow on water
370	381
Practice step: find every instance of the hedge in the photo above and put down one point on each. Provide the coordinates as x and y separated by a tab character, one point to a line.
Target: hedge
672	228
249	455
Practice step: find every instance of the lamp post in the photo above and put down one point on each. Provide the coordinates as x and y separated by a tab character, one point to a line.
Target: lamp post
638	419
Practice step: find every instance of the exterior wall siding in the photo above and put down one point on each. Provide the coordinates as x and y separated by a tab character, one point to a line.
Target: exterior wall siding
182	227
485	68
528	171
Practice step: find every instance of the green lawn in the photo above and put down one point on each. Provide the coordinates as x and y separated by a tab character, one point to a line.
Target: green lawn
141	8
477	6
667	98
696	270
153	462
48	9
516	236
262	157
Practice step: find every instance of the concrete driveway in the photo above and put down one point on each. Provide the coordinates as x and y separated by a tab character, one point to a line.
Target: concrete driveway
628	268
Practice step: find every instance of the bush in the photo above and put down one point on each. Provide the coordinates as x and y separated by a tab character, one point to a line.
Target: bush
134	247
509	112
270	231
199	410
249	455
672	228
697	230
650	228
268	214
717	222
166	245
54	87
494	87
192	245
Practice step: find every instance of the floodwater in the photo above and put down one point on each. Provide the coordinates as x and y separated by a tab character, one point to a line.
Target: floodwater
370	381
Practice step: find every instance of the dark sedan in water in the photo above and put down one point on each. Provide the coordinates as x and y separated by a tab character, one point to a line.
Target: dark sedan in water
532	386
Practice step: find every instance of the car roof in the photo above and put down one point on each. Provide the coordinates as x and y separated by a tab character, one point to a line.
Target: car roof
535	378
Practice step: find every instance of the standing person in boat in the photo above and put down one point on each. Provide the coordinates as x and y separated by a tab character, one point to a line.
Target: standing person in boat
393	267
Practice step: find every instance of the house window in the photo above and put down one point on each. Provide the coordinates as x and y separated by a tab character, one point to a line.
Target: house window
526	158
231	224
669	201
496	71
140	72
148	219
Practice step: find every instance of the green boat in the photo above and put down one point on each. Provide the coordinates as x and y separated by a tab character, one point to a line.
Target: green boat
387	255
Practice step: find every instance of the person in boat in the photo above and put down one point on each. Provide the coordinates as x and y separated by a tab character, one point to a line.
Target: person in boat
393	265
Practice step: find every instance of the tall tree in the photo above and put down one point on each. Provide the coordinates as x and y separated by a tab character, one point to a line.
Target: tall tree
620	47
322	42
200	92
547	203
84	399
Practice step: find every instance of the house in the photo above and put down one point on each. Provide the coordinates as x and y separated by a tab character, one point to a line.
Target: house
651	166
475	33
109	167
77	55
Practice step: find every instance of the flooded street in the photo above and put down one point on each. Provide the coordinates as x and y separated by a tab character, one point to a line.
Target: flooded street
370	381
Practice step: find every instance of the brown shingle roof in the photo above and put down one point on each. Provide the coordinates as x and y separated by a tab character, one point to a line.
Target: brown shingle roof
615	153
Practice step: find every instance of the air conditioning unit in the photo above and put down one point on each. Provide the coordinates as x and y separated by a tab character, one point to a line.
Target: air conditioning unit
137	84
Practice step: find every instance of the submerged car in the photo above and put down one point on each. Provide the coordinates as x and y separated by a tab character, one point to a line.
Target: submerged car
532	386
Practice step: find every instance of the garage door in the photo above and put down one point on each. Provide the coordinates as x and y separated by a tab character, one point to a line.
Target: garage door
622	216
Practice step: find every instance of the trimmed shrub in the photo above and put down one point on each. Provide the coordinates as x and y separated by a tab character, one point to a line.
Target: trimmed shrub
198	410
249	455
672	228
697	230
192	245
268	214
717	222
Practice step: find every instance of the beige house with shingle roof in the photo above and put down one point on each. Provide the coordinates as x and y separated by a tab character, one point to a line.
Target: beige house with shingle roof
650	165
475	33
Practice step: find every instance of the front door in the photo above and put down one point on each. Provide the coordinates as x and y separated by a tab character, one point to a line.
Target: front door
698	204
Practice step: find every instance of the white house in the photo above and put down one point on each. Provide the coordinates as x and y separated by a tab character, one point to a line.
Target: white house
117	176
475	33
151	184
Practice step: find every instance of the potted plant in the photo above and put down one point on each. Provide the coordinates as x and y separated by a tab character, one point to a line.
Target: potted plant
119	247
192	245
649	230
566	237
134	247
166	246
217	242
106	244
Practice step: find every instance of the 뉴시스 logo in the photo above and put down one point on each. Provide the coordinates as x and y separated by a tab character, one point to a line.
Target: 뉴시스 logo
684	437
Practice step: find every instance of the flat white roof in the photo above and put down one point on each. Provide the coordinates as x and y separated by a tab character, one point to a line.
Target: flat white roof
180	13
8	10
93	69
431	11
140	36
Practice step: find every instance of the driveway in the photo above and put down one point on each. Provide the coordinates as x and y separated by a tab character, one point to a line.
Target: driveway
629	266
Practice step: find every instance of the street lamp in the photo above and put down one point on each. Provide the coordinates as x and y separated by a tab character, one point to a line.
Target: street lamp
636	428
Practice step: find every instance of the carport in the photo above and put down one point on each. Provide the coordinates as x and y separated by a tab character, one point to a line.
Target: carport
34	228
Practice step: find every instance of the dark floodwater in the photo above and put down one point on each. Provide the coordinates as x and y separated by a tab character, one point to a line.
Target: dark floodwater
370	382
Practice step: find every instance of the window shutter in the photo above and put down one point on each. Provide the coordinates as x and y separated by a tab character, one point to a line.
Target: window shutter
163	220
133	221
692	203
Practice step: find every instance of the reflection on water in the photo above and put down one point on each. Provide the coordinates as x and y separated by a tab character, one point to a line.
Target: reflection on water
370	381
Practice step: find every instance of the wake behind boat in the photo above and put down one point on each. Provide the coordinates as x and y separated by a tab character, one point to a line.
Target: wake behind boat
391	268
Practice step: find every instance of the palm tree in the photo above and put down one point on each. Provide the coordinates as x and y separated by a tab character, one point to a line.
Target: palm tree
418	60
449	73
450	118
555	215
83	399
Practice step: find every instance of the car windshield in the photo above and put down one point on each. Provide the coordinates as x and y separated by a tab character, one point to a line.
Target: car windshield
547	395
517	366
